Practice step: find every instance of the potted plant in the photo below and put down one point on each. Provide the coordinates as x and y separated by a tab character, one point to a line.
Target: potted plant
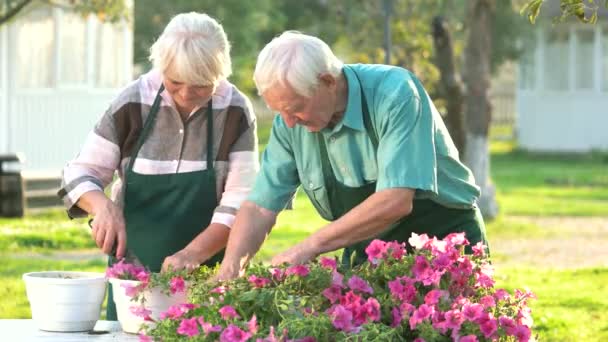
141	296
65	301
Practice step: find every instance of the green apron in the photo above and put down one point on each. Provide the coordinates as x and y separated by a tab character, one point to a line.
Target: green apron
426	217
164	213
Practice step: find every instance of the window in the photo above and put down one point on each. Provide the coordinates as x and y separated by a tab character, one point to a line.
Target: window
527	64
605	59
557	60
73	49
584	59
34	62
110	57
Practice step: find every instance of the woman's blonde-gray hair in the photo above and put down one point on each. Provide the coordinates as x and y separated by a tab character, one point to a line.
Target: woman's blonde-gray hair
295	59
194	48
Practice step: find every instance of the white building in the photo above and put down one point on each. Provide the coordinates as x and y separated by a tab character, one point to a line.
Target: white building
562	93
58	73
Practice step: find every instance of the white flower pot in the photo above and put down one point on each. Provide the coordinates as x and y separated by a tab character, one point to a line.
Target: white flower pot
65	301
155	301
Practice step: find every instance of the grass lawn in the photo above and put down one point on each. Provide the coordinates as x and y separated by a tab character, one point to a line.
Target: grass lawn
572	304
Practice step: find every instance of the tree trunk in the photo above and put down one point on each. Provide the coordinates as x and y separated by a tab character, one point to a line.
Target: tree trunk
450	84
477	75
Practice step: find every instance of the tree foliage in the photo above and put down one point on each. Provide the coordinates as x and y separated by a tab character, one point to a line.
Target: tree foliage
584	10
106	10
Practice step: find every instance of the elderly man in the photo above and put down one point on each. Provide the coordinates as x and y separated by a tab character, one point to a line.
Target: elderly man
367	146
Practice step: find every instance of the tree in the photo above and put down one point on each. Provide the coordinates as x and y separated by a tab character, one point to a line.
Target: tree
106	10
584	10
477	74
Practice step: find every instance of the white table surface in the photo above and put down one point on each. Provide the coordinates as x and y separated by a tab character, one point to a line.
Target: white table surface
25	330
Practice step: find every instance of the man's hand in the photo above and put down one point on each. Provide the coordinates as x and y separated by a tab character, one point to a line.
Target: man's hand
108	228
182	259
226	273
298	254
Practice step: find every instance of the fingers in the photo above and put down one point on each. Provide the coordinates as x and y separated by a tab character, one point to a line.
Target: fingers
121	249
108	242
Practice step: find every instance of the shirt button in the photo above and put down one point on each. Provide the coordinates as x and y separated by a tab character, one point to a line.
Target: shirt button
310	184
181	131
332	139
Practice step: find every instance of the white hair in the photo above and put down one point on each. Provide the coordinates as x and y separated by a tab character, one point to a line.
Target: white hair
297	60
195	49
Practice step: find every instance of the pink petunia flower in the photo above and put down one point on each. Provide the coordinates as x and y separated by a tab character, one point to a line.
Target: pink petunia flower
397	317
434	296
188	327
140	311
418	241
252	325
329	263
333	293
219	290
454	319
375	251
228	312
508	324
487	301
423	312
479	249
208	327
277	273
397	250
234	334
342	318
299	270
258	281
144	338
468	338
177	285
523	333
472	312
357	284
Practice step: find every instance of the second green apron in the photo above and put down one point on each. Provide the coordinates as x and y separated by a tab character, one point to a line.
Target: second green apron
426	217
164	213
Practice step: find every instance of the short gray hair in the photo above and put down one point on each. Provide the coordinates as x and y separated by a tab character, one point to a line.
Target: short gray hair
195	47
296	59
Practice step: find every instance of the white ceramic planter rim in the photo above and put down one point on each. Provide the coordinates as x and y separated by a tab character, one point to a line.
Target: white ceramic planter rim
50	277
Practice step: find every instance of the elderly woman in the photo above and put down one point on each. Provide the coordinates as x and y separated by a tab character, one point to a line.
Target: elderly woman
183	142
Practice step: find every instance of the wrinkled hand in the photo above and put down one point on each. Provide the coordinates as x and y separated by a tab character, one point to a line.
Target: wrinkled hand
226	273
182	259
108	228
298	254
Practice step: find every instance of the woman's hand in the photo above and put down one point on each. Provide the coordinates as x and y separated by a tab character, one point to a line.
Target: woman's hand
108	229
182	259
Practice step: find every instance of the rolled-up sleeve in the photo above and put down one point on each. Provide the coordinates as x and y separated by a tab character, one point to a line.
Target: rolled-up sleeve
278	179
93	168
406	151
243	166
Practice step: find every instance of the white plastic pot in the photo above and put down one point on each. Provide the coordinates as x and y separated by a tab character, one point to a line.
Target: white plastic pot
65	301
155	301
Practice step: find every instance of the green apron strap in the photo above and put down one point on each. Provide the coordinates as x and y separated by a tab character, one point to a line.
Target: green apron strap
210	135
147	127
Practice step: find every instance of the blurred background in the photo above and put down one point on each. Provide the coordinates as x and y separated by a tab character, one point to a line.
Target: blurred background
527	105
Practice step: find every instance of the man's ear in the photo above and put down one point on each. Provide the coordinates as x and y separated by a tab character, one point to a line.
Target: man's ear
329	80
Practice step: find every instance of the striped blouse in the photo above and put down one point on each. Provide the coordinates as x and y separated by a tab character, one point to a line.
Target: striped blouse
173	146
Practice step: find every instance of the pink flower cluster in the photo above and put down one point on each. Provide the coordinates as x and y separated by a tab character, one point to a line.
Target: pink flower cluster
433	287
125	271
444	261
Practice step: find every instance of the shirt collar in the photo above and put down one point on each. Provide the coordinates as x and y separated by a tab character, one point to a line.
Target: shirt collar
353	114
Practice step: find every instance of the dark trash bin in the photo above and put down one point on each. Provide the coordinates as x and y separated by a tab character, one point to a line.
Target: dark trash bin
12	198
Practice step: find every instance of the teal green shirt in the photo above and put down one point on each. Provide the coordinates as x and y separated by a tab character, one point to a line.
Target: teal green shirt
415	150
